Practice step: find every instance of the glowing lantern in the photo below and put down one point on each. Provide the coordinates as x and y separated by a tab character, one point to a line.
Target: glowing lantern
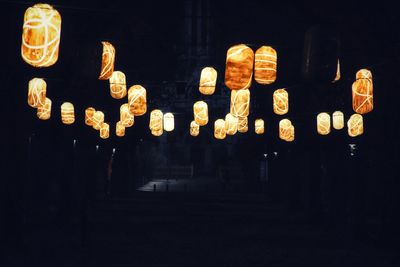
243	125
126	118
231	124
355	125
36	92
98	119
107	61
169	122
240	103
137	100
105	130
286	130
119	129
41	35
44	111
156	122
67	113
338	120
200	111
259	126
265	65
281	102
219	129
89	112
194	129
118	85
239	67
323	123
208	79
337	77
362	92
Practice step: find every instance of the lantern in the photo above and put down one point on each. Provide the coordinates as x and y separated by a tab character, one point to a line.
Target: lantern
338	120
239	67
265	65
41	35
200	110
105	130
137	100
337	77
44	111
243	125
89	112
231	124
36	92
67	113
118	85
208	79
169	123
259	126
119	129
156	122
107	61
362	92
126	118
219	129
98	119
323	123
286	130
281	102
194	129
355	125
240	103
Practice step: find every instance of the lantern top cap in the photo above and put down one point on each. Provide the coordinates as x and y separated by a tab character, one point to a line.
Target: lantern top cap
281	90
266	49
363	74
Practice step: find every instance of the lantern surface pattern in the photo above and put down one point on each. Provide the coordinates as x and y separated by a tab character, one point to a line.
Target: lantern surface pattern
137	100
362	92
67	113
127	119
156	122
239	67
281	102
36	92
286	130
89	112
119	129
105	130
208	80
355	125
259	126
219	129
240	103
107	61
231	124
243	125
194	129
200	111
118	85
44	111
265	65
338	120
98	119
169	122
323	123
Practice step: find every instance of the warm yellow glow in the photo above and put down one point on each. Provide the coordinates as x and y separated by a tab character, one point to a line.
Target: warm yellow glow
219	129
231	124
265	65
98	119
156	122
338	120
89	112
119	129
355	125
239	67
127	119
240	103
169	122
286	130
337	77
44	111
67	113
281	102
137	100
208	80
118	85
105	130
107	61
36	92
259	126
194	129
364	74
200	111
362	92
243	125
323	123
41	35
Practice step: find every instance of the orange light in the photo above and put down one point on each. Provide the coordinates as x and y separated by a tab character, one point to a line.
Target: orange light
231	124
362	92
67	113
98	119
240	103
105	130
137	100
36	92
281	102
127	119
44	111
355	125
265	65
194	129
119	129
323	123
286	130
118	85
107	61
259	126
219	129
208	80
200	111
156	122
239	67
89	112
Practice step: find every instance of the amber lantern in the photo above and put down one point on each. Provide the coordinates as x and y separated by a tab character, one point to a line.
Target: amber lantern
265	65
338	120
219	129
44	111
194	129
41	35
105	130
36	92
355	125
127	119
200	111
208	79
231	124
243	125
362	92
169	122
156	122
286	130
323	123
119	129
259	126
240	103
67	113
337	77
281	102
137	100
98	119
89	112
239	67
118	85
107	61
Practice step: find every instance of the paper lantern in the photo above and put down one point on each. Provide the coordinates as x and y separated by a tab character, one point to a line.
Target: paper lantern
219	129
286	130
362	92
89	112
338	120
118	85
259	126
243	125
323	123
127	119
337	77
169	122
200	111
36	92
240	103
194	129
119	129
355	125
98	119
44	111
107	61
41	35
156	122
105	130
281	102
239	67
231	124
265	65
67	113
137	100
208	80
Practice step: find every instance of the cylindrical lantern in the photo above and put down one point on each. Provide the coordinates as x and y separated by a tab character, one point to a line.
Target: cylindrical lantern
219	129
169	122
36	92
259	126
362	92
281	102
105	130
208	80
231	124
44	111
127	119
137	100
243	125
240	103
355	125
107	61
41	35
338	120
286	130
67	113
156	122
194	129
89	112
239	67
98	119
265	65
323	123
200	111
119	129
118	85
